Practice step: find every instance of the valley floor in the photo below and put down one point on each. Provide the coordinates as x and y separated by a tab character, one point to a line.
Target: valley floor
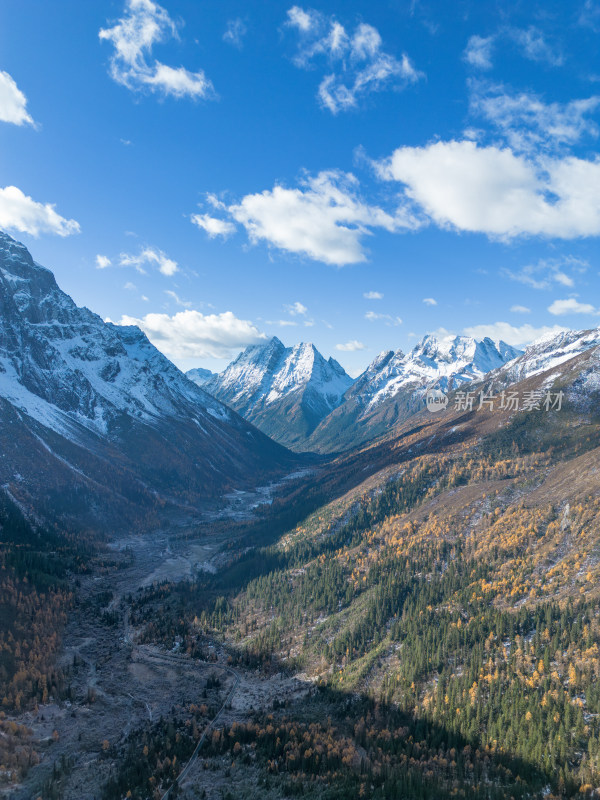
118	687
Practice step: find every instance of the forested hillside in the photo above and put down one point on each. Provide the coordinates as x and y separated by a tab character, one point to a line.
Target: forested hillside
446	612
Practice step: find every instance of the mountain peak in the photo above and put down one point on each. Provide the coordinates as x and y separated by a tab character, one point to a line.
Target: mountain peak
266	377
16	261
199	375
383	358
274	342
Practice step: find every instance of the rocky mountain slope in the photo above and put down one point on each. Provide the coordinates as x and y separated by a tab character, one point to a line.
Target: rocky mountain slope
96	424
284	391
392	388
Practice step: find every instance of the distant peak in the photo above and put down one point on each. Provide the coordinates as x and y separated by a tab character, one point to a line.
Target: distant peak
336	366
199	375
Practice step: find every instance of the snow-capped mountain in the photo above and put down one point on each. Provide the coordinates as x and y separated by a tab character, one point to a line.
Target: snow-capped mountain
547	352
445	363
199	375
94	409
284	391
394	384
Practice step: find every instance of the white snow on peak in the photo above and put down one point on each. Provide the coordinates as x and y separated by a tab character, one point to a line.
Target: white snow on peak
548	352
445	362
263	374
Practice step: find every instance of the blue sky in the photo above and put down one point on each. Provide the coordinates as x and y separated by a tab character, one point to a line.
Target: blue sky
353	174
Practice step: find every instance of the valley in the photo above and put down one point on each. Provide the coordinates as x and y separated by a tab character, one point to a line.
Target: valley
393	639
215	616
300	400
118	687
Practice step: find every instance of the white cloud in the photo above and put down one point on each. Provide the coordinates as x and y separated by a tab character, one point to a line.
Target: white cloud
516	336
545	273
373	316
528	123
284	323
520	309
564	280
303	20
571	306
235	32
297	309
130	286
336	94
213	226
478	52
19	212
174	296
191	334
325	219
373	295
178	81
351	346
430	301
493	191
144	25
530	42
534	46
149	255
358	64
13	103
102	262
215	201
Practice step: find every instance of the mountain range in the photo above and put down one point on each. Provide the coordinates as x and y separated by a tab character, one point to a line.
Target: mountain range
307	403
97	424
303	401
393	387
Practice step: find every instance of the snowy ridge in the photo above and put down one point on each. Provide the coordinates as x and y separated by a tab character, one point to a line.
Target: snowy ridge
446	362
66	367
548	352
394	385
265	374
